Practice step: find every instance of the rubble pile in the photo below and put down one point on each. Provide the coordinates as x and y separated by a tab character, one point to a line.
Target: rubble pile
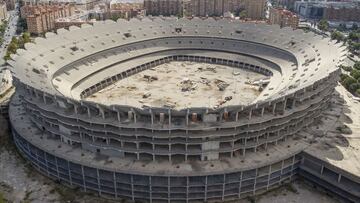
222	85
188	85
150	78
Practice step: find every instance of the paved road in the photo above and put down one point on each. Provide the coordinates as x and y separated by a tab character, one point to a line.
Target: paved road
10	30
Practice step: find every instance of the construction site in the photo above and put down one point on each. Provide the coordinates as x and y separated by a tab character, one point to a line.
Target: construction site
179	85
180	110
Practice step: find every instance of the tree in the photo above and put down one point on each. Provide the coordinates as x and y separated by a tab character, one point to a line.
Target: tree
115	17
336	35
342	27
355	74
346	68
354	46
347	81
354	36
357	65
13	46
354	26
354	87
358	91
323	25
243	14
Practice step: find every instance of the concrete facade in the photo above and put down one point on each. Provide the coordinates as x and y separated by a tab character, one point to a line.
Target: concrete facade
255	9
42	18
283	17
163	7
161	154
6	91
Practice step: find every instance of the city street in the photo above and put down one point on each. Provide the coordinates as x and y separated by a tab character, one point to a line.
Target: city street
10	30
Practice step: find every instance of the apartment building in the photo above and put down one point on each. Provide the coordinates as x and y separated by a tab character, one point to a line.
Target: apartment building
3	11
42	18
332	11
163	7
126	10
255	9
10	4
283	17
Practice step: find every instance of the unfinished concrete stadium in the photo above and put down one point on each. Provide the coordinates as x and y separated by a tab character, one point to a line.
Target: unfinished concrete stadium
175	110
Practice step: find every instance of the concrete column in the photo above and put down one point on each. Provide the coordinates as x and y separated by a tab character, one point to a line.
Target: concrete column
241	177
162	118
115	188
44	98
75	109
206	187
150	189
262	111
168	189
68	165
254	190
223	188
250	114
292	167
268	181
266	143
187	189
284	108
152	118
322	169
101	110
132	187
237	116
118	116
232	149
339	178
89	112
187	117
273	109
83	176
293	103
169	121
47	164
57	168
130	115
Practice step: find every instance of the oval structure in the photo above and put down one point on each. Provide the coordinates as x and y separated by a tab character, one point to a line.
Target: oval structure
171	110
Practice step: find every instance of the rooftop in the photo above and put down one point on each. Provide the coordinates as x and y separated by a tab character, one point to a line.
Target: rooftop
96	53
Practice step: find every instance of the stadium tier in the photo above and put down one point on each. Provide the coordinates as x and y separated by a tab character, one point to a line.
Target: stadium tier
171	110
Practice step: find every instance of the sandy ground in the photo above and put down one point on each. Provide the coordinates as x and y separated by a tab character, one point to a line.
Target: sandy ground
20	185
297	192
181	85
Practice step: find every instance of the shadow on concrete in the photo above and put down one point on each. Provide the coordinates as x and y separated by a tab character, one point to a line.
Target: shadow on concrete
331	132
